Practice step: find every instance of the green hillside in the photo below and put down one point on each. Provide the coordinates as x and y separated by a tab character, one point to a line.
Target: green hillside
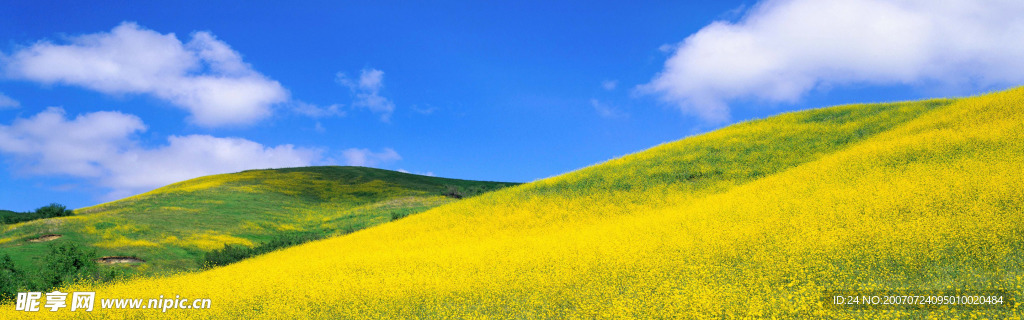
171	228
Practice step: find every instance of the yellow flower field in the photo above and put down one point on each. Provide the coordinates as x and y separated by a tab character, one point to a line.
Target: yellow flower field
756	220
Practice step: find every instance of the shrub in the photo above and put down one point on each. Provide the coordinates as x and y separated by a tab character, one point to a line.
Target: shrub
399	213
228	255
395	215
11	279
54	210
234	253
64	263
67	262
453	192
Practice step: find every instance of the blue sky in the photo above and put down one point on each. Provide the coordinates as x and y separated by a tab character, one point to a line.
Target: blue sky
104	101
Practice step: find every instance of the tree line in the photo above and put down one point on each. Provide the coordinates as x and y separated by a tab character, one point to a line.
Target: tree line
48	211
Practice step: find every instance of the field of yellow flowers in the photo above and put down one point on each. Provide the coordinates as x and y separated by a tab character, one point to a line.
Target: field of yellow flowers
755	220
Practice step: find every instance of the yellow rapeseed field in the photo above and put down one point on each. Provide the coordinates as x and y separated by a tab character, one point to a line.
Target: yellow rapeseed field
755	220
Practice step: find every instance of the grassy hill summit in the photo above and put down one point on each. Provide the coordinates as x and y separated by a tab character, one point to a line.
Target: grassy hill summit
758	219
170	229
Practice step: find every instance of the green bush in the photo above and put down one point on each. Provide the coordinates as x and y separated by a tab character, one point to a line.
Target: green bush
228	255
66	263
395	215
404	212
11	279
457	192
453	192
234	253
54	210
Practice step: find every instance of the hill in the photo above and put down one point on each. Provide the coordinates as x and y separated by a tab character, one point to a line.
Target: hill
758	219
171	228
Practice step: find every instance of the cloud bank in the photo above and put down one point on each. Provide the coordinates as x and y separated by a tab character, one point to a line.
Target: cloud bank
782	49
102	146
203	76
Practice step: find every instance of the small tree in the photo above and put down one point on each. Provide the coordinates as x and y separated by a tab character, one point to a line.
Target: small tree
54	210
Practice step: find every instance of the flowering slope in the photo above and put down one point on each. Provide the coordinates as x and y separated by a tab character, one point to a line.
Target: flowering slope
754	220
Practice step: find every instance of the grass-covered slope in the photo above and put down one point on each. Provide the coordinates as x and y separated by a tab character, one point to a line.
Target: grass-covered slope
753	220
172	227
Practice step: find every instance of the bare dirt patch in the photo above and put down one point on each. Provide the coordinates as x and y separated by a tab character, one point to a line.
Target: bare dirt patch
116	259
45	238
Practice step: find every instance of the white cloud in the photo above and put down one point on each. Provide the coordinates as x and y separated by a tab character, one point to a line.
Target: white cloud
783	49
606	111
186	157
367	92
50	144
609	84
204	76
367	158
102	146
7	102
314	111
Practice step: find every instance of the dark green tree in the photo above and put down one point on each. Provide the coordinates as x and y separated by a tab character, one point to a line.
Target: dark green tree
54	210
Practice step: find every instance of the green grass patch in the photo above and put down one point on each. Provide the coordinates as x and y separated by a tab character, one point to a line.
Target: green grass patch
175	228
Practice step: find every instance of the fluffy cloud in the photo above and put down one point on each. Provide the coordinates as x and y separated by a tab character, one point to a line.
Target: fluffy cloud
204	76
50	144
6	102
101	146
186	157
367	158
367	92
782	49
